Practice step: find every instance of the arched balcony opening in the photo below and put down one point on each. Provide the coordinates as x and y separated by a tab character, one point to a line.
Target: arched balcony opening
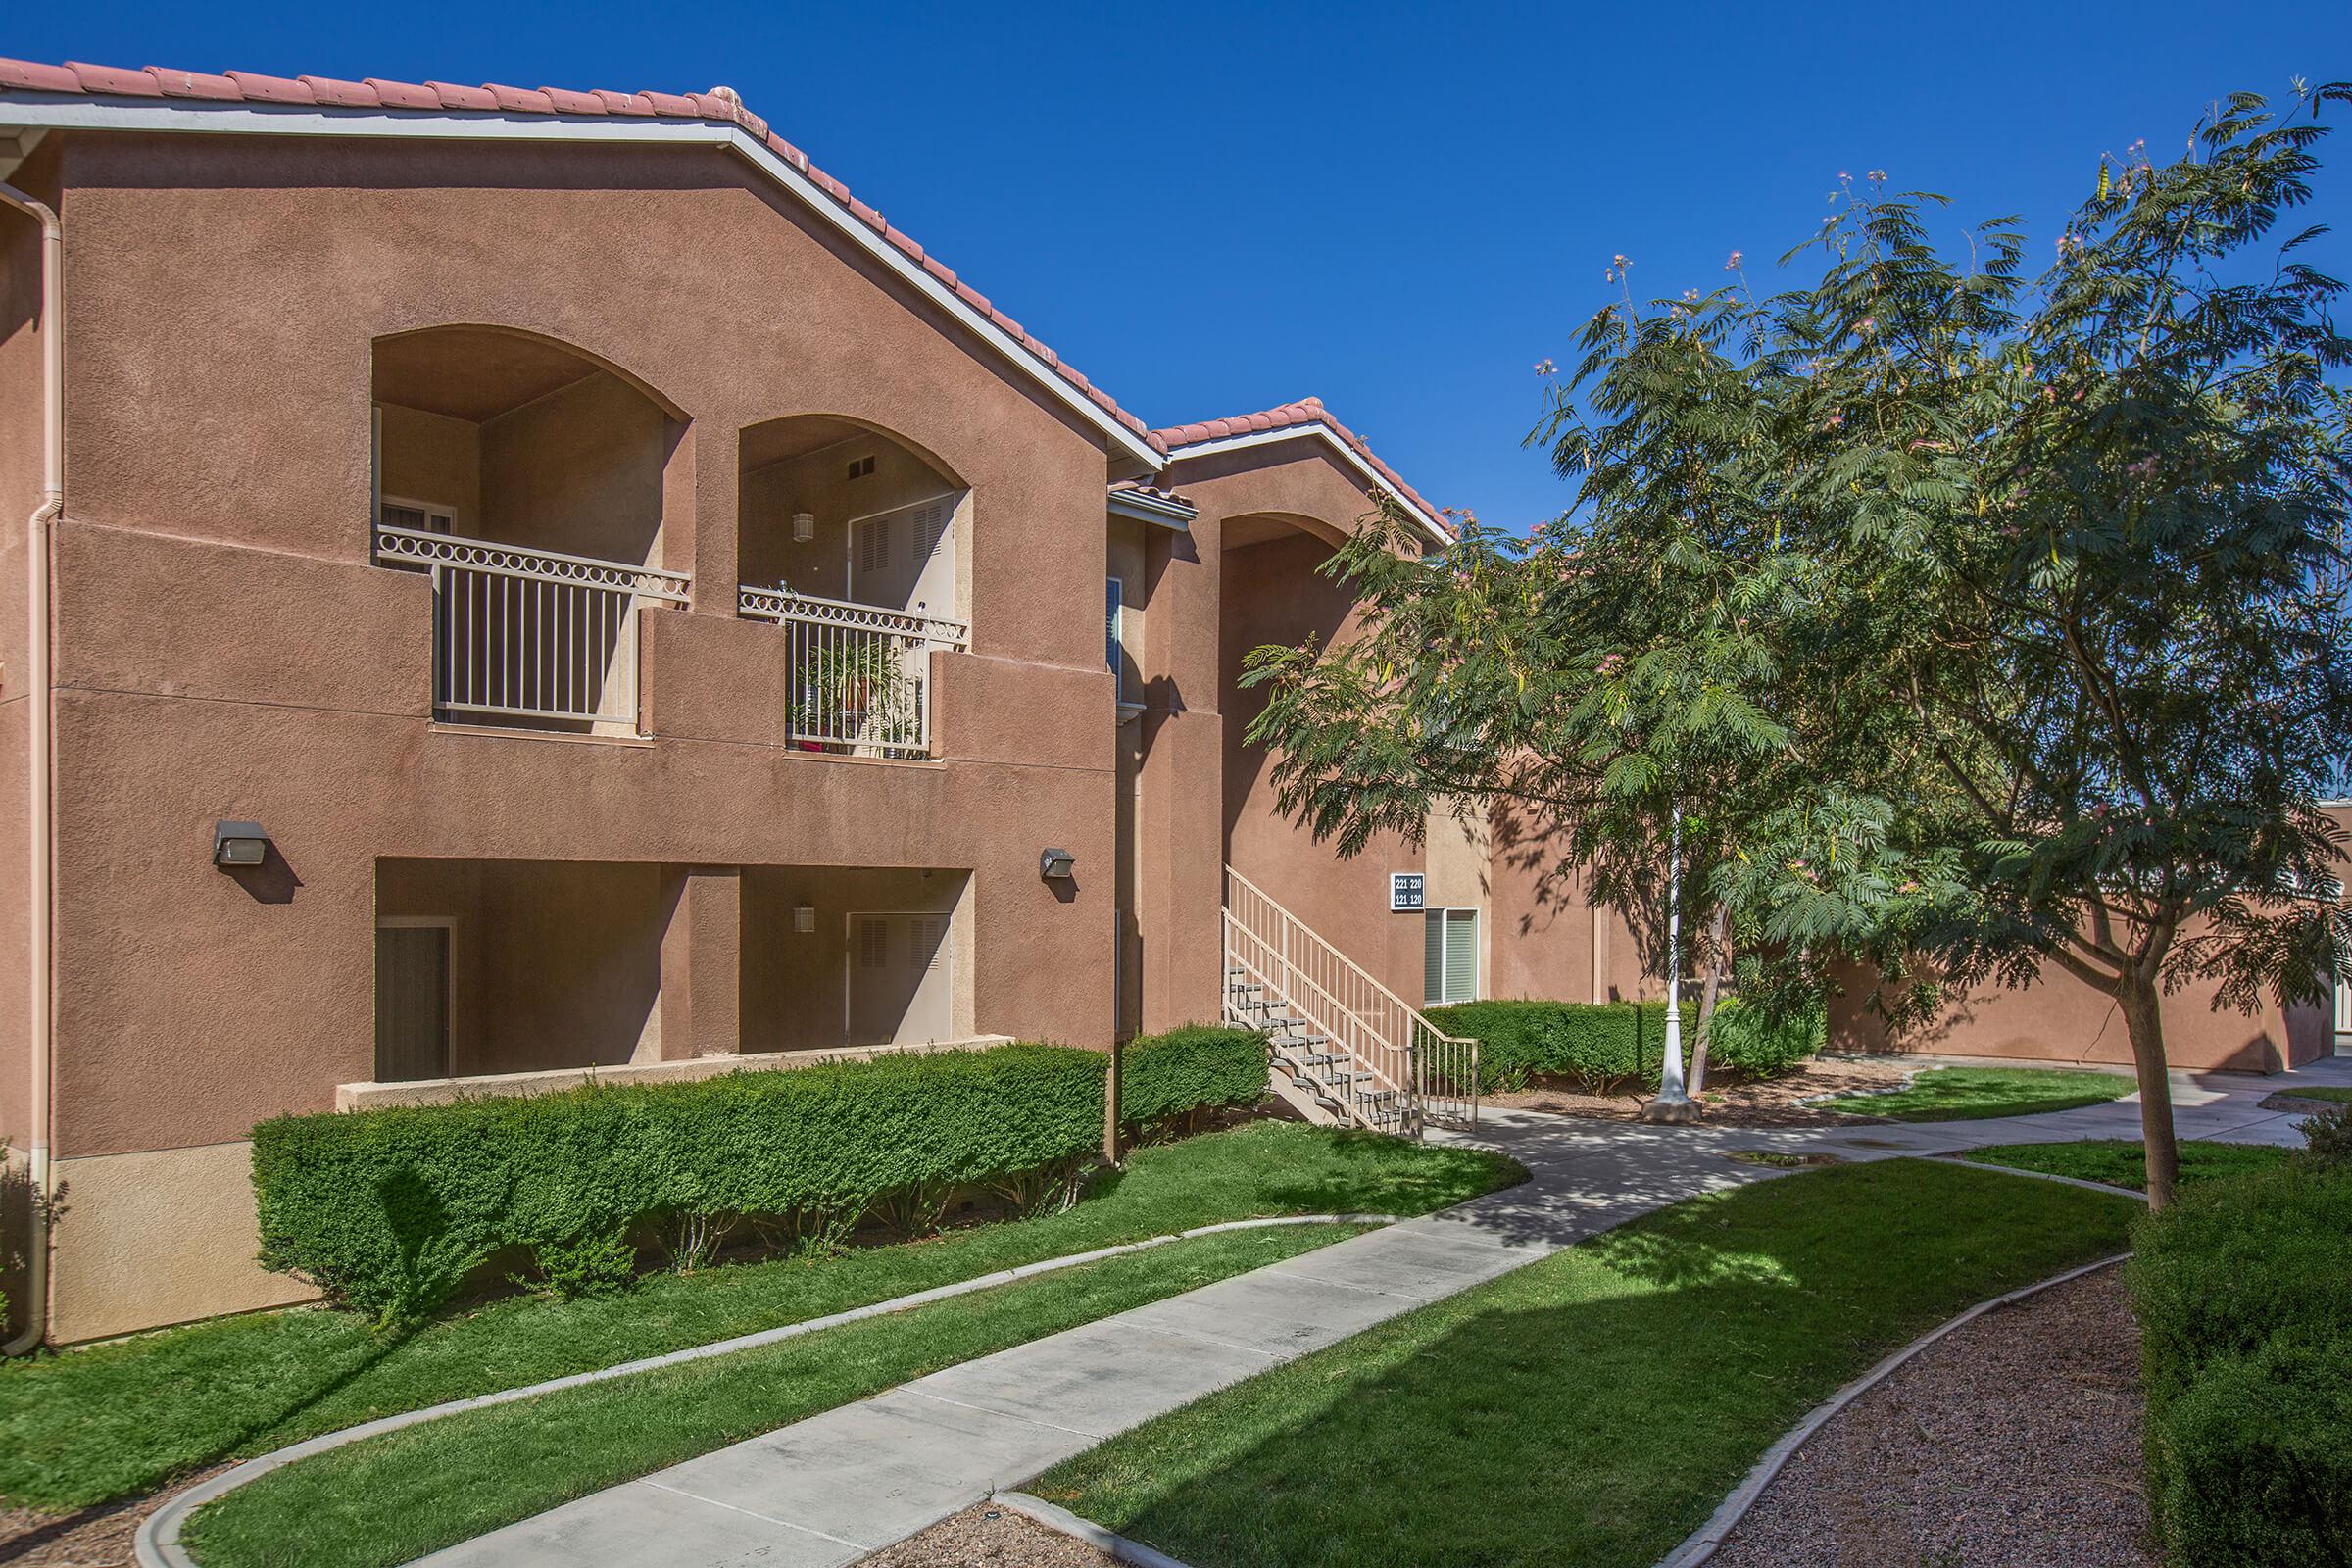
528	479
857	546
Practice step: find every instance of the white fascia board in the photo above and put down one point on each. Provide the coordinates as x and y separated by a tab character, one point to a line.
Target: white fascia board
1294	432
55	112
1148	508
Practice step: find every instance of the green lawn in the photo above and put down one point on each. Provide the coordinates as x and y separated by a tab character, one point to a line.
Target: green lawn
1592	1408
2337	1093
2124	1162
393	1499
86	1426
1964	1093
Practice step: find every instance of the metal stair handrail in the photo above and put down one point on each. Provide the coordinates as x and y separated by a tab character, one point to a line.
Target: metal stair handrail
1338	1008
1381	1035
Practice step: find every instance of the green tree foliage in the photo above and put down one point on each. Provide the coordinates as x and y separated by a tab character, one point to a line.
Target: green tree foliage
1983	618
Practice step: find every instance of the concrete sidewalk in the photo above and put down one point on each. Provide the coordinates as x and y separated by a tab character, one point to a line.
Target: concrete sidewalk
830	1489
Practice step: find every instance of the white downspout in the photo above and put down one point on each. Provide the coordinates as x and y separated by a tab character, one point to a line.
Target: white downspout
40	864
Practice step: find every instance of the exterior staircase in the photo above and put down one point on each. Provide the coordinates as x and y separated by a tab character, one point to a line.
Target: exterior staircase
1346	1050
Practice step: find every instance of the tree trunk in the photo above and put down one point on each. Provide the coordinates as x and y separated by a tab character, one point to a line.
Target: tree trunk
1114	1144
1718	951
2143	1021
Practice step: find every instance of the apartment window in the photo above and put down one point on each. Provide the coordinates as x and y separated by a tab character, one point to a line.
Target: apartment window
1448	957
1113	603
421	515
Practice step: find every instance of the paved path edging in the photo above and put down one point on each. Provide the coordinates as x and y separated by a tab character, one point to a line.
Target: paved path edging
1107	1541
158	1545
1703	1543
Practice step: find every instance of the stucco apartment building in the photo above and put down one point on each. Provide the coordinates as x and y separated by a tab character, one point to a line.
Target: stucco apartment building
500	583
524	581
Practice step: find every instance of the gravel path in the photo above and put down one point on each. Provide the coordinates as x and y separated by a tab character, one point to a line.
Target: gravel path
92	1538
2014	1442
989	1537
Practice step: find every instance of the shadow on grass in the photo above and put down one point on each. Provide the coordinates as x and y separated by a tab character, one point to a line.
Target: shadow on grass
1362	1172
1592	1408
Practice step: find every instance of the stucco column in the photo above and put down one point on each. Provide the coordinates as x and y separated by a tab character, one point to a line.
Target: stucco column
702	961
713	474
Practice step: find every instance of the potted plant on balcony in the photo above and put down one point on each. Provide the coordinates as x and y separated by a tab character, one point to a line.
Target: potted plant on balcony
855	692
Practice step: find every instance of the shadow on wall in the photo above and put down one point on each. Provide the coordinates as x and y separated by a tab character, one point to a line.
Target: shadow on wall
271	882
1272	593
2056	1019
15	1235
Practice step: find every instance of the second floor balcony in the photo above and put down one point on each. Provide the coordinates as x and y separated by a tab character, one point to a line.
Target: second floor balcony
532	485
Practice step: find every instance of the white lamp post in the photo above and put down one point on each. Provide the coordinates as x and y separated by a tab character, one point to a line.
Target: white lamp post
1674	1102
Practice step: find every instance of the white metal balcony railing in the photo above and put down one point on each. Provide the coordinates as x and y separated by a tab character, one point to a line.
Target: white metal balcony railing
860	675
532	635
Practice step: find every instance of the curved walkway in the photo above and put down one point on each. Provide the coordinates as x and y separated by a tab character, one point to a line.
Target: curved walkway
830	1489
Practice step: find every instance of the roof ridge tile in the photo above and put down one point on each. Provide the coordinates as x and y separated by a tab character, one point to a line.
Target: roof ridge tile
1307	410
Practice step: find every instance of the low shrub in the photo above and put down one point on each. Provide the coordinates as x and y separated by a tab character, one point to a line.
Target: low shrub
1599	1046
2258	1457
1603	1048
599	1263
2239	1291
1163	1078
391	1211
1751	1042
2327	1135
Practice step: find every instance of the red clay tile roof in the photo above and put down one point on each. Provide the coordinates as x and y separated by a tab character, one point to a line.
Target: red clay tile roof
155	81
1306	412
243	86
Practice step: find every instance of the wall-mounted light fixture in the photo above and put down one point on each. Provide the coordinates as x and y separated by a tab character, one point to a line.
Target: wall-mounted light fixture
1056	866
804	527
239	844
804	919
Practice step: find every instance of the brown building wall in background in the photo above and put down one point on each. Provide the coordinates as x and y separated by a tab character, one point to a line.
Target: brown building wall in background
2060	1019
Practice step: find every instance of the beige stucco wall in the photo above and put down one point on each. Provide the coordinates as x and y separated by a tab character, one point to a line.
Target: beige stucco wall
1270	515
155	1238
818	482
1546	940
793	983
581	470
555	963
433	460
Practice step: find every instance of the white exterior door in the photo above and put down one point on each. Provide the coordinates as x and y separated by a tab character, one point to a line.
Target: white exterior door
899	977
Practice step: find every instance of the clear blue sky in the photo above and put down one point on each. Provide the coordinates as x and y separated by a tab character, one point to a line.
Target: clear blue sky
1399	208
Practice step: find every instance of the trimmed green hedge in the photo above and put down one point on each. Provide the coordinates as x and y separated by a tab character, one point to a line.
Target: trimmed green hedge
1199	1067
2246	1350
391	1211
1608	1046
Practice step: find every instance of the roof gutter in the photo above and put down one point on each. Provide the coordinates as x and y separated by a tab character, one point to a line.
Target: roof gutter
41	863
1345	452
